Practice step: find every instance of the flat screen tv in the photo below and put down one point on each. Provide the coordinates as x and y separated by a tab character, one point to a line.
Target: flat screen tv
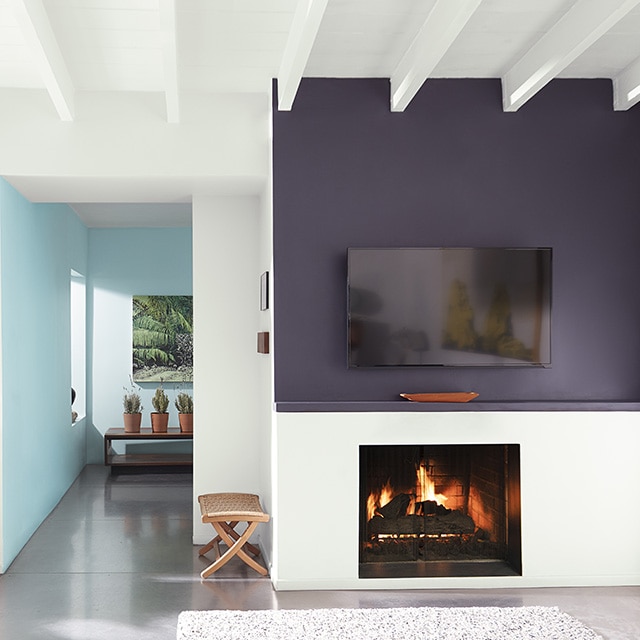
449	307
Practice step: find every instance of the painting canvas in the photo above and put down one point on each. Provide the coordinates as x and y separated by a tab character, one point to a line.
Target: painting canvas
162	338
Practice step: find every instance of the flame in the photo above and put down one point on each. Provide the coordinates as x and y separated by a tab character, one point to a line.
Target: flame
424	490
425	487
379	498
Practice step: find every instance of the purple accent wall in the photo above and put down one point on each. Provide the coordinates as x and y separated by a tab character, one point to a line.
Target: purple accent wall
455	170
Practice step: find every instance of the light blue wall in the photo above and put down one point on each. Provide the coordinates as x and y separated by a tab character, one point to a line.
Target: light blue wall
124	263
42	453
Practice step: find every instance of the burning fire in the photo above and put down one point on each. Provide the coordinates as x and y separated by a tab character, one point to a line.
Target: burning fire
378	499
424	490
425	487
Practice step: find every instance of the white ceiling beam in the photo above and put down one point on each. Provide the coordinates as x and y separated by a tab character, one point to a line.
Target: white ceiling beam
576	31
170	59
442	26
626	87
304	29
41	40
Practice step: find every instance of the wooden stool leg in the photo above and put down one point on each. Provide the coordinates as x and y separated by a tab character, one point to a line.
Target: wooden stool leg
223	529
229	528
207	547
214	541
235	547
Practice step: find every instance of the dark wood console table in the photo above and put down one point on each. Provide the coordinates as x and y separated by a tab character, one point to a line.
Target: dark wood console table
113	459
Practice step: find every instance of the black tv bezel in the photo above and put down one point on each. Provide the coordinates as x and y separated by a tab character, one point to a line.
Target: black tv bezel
492	365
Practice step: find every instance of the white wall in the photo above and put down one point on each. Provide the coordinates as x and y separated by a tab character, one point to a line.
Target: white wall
124	143
78	311
266	375
229	426
1	423
111	360
568	539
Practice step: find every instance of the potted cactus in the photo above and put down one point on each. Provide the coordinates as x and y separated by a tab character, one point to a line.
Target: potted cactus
132	409
184	405
160	417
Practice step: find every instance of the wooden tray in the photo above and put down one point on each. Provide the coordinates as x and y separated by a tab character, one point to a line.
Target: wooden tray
458	396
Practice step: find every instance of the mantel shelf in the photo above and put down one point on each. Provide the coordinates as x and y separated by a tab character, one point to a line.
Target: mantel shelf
474	405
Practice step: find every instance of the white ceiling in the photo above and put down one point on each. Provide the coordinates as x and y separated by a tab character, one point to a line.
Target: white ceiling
176	48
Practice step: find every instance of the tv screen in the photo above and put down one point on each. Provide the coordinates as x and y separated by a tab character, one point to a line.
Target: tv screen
413	307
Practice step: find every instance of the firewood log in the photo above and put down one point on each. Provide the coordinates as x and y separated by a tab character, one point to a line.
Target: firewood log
396	508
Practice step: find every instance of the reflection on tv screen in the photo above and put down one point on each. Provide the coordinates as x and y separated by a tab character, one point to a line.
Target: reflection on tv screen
449	307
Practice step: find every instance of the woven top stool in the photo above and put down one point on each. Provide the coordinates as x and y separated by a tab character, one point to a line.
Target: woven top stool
225	511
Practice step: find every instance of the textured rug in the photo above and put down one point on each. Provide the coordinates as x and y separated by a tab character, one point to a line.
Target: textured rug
422	623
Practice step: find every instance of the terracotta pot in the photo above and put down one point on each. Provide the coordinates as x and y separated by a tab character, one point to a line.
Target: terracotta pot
186	422
159	422
132	422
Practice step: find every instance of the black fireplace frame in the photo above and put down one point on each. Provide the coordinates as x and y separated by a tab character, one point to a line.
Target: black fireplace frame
510	564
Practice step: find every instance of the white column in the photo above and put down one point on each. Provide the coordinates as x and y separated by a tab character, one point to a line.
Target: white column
227	455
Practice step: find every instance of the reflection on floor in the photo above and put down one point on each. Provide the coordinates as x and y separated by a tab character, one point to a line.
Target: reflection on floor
115	560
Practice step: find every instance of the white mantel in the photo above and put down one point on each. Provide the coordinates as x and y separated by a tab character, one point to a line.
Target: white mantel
580	473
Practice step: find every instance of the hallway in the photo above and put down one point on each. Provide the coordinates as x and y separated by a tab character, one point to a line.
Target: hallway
115	560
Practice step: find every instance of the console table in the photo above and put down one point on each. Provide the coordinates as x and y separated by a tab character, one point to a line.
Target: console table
113	459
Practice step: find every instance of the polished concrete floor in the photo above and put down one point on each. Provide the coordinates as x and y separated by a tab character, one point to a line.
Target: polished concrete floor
115	560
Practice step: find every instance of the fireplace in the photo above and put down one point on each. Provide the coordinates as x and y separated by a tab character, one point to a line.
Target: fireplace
439	510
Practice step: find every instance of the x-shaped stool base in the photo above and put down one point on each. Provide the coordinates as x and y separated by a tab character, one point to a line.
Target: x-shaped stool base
225	511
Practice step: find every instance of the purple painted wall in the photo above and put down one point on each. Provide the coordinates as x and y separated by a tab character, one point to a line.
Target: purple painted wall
454	170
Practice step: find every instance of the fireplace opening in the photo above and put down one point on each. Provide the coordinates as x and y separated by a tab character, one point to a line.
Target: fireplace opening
439	510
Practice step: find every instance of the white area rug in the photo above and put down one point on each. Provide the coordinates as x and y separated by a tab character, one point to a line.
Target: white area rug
422	623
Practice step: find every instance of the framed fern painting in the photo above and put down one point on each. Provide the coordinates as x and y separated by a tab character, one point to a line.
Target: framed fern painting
162	338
